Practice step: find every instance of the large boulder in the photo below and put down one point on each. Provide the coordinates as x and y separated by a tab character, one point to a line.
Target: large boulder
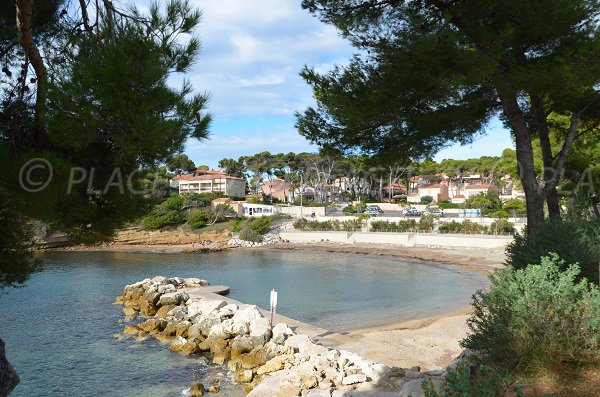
247	314
173	298
281	332
204	307
164	311
304	345
8	377
197	390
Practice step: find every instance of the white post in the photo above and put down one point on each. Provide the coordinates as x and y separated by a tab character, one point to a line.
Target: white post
273	308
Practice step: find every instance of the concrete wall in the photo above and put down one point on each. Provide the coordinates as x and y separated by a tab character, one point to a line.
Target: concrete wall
296	210
305	237
401	239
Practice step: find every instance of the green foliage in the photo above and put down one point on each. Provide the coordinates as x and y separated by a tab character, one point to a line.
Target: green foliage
252	229
426	223
330	226
462	382
99	106
537	318
158	220
180	162
363	217
237	224
248	234
486	202
198	219
426	200
575	242
200	200
497	214
404	225
233	167
443	204
260	225
515	207
467	227
501	226
167	213
17	260
349	209
173	203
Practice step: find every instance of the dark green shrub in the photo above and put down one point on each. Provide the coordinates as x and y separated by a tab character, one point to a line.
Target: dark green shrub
536	319
404	225
465	227
426	200
237	224
248	234
198	219
426	223
575	242
173	203
462	382
328	226
501	226
349	209
260	225
497	214
445	204
165	218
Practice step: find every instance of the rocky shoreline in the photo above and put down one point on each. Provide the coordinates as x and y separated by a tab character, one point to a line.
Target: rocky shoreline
279	363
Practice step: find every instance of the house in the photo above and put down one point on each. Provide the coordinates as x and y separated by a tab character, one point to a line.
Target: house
396	188
278	189
438	191
210	181
474	190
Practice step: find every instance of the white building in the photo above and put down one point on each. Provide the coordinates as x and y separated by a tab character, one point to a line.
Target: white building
474	190
257	210
211	182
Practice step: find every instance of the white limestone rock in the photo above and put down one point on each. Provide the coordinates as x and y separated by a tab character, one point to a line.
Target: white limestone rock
204	307
281	332
353	379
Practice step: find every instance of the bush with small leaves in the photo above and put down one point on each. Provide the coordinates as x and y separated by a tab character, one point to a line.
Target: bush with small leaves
248	234
198	219
536	319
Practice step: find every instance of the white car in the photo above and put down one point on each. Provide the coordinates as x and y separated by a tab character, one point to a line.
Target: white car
412	212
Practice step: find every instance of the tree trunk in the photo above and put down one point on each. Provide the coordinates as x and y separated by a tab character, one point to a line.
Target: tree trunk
8	377
534	196
550	177
553	204
24	17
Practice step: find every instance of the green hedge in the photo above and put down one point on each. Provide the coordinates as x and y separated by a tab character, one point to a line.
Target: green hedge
333	225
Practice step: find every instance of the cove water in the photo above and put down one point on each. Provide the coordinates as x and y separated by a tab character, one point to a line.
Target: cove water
59	328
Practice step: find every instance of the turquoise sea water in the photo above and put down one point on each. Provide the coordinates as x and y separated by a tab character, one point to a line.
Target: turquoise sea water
59	328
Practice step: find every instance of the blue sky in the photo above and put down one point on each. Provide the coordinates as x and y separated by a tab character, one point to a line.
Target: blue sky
252	52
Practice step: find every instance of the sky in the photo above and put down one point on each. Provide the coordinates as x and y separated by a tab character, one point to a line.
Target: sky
252	52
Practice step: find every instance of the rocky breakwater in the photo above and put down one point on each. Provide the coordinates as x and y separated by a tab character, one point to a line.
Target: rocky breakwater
268	239
279	363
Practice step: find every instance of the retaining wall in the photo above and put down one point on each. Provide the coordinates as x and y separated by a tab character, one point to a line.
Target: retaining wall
402	239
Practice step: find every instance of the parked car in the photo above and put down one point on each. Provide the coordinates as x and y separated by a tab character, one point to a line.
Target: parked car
374	209
412	212
434	211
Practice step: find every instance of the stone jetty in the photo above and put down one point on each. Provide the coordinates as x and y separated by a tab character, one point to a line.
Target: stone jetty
184	313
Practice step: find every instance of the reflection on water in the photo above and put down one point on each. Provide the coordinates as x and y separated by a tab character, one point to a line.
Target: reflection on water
58	330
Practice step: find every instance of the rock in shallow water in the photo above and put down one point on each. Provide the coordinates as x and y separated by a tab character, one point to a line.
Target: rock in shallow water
196	390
